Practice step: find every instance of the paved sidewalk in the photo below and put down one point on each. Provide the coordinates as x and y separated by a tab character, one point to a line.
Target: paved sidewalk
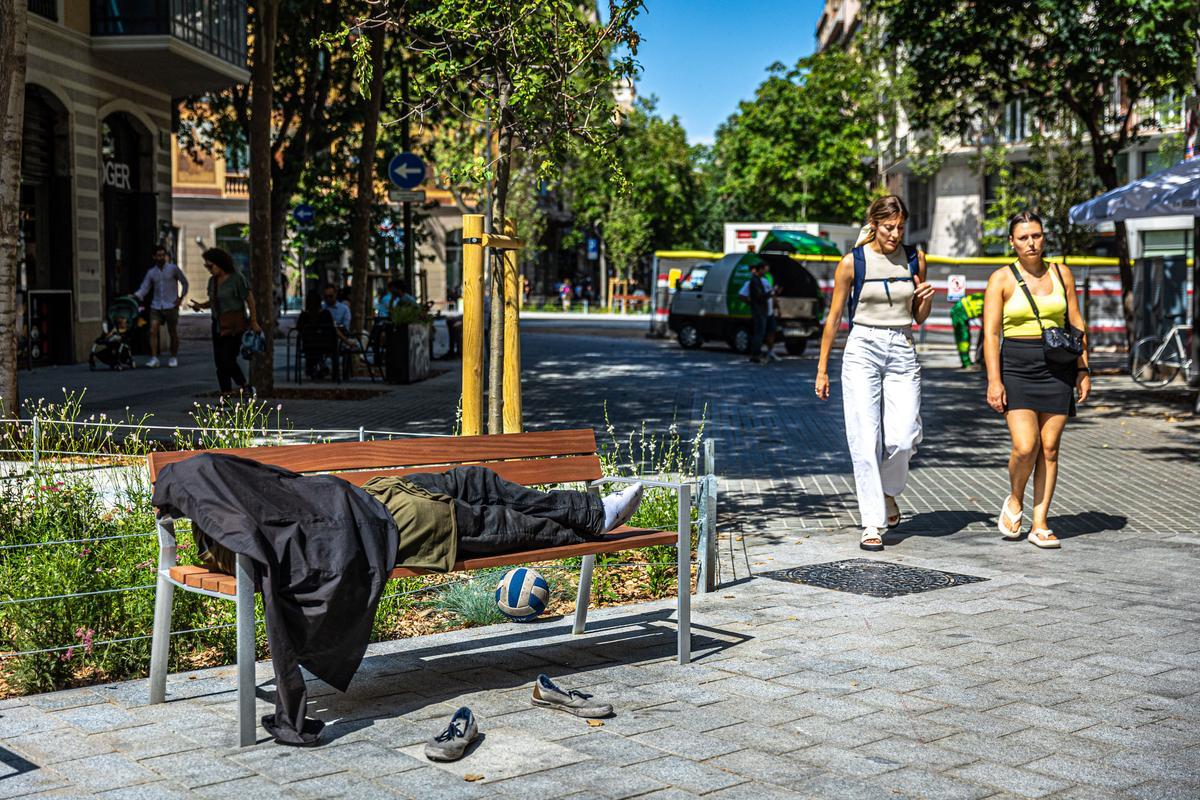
1069	675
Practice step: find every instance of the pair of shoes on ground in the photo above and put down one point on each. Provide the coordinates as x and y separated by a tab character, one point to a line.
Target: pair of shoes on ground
154	362
1009	525
452	743
872	537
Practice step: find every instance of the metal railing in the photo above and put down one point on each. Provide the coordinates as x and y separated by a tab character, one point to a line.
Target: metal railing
217	27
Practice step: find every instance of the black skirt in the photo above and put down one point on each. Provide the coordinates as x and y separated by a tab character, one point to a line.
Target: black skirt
1031	382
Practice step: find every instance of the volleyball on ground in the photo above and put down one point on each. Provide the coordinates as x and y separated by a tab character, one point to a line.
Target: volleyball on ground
522	594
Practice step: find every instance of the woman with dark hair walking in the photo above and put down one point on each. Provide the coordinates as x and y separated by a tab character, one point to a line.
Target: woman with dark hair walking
229	299
882	285
1034	373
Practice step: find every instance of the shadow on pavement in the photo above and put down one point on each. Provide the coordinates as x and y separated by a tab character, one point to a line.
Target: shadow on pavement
935	524
395	684
1071	525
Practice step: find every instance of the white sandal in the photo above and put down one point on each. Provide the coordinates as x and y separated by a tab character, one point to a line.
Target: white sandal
871	540
1044	538
893	511
1007	516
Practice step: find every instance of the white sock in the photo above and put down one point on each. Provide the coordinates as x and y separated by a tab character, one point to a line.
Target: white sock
619	507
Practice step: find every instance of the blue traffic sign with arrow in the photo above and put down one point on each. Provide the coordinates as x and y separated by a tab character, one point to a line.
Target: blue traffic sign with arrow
304	213
406	170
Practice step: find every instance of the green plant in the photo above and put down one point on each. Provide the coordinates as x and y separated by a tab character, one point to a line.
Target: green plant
473	601
243	422
409	314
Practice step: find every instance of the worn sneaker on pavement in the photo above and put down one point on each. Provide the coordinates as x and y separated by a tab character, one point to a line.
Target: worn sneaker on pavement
450	744
771	354
581	704
173	362
152	363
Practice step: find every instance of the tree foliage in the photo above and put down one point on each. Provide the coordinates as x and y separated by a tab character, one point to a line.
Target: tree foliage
801	149
660	203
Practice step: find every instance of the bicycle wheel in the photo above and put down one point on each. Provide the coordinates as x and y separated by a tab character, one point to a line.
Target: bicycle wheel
1146	365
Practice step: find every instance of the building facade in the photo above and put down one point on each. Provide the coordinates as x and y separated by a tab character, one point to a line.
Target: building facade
97	153
948	208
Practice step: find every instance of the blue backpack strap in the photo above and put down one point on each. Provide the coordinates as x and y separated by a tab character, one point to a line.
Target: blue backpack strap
914	262
860	276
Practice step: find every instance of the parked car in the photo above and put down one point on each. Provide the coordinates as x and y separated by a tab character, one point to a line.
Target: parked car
708	305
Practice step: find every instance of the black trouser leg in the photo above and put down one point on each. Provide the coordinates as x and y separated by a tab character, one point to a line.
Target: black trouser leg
225	353
480	488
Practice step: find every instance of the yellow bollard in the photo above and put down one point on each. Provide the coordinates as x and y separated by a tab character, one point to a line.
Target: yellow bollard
472	333
512	337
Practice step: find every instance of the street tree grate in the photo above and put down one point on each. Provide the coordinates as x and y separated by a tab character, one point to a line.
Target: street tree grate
872	578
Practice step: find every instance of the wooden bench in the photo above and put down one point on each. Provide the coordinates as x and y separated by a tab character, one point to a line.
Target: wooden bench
551	457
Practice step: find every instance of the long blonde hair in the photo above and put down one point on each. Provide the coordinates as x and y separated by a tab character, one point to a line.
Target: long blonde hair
880	209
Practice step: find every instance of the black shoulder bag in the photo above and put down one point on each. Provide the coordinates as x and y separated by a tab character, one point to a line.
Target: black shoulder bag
1061	345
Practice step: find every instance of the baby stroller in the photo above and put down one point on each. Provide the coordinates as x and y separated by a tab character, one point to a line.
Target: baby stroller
112	346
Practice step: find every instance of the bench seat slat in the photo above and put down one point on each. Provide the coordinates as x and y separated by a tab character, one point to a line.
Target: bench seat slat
377	454
621	539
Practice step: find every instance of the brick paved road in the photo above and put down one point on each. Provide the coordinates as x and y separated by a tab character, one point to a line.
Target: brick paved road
1069	674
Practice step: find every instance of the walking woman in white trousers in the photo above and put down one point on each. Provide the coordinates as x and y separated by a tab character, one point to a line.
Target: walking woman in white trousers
883	283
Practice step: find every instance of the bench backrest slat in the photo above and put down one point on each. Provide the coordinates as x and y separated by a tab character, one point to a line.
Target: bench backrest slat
568	469
403	453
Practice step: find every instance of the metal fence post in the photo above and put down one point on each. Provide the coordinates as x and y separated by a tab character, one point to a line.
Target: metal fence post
36	439
707	545
362	433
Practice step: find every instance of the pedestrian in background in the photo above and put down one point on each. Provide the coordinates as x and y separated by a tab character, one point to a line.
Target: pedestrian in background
566	293
759	299
167	286
882	284
961	314
232	307
1032	380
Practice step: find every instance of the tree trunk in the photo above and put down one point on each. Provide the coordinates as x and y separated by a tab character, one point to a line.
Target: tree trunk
360	234
496	345
13	32
262	263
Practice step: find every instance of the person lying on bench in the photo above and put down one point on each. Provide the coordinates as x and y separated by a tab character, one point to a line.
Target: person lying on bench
471	511
321	549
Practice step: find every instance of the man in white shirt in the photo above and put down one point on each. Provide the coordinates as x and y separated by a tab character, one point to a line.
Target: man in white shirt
337	309
167	285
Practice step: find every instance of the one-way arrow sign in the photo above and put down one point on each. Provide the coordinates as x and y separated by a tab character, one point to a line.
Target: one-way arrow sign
406	170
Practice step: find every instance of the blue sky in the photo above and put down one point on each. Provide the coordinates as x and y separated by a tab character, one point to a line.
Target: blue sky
701	57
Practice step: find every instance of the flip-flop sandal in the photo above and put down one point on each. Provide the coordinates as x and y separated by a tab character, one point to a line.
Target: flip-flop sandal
1006	515
871	540
1044	538
893	511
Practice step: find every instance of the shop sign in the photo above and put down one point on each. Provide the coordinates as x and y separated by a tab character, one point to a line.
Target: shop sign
116	175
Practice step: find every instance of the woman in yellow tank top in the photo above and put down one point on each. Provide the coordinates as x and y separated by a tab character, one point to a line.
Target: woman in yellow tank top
1035	395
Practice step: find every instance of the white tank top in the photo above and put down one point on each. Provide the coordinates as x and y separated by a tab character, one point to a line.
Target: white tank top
885	304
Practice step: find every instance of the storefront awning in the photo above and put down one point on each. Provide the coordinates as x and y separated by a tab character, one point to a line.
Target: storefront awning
1170	192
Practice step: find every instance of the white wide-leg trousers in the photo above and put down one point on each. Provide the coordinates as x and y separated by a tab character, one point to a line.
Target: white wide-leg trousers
881	397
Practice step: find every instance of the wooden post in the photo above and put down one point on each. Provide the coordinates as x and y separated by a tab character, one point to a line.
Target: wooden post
472	333
512	337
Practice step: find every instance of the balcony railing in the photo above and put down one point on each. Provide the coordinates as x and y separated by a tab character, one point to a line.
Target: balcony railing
217	27
45	8
237	185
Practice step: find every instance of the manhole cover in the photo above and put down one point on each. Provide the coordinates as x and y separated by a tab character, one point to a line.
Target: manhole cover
873	578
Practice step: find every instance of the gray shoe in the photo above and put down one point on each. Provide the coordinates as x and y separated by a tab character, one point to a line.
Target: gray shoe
581	704
450	744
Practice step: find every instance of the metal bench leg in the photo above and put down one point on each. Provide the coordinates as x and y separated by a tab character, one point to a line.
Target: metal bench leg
585	594
164	595
245	651
685	575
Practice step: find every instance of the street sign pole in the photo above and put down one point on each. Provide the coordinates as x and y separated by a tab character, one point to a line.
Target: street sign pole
405	143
